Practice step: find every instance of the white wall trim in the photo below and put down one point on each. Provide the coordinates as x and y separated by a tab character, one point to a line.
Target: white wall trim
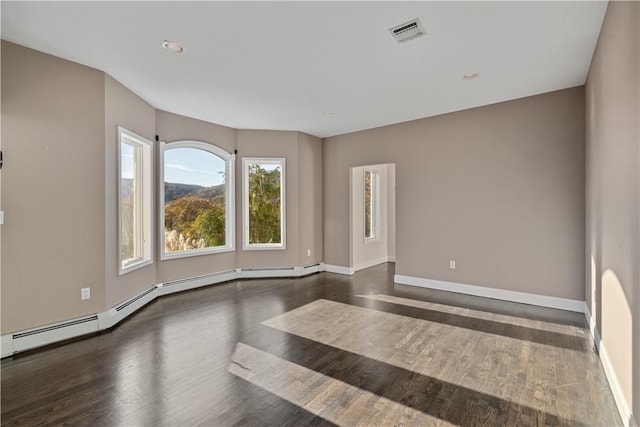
17	342
349	271
6	345
501	294
370	263
621	402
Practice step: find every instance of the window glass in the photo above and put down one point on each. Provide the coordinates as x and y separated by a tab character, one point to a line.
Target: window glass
368	204
197	206
264	203
135	191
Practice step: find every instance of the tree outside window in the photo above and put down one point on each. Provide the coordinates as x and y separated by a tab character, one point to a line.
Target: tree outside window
197	199
264	215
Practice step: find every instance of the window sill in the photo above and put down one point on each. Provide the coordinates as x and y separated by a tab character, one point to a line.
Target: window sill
195	252
134	266
264	247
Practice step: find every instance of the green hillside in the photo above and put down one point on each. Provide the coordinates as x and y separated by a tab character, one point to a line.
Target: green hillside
173	191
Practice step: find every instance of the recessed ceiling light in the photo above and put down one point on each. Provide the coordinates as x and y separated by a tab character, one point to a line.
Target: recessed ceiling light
173	47
328	115
470	76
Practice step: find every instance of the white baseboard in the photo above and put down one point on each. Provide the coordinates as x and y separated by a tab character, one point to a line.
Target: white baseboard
501	294
349	271
624	408
6	345
370	263
38	337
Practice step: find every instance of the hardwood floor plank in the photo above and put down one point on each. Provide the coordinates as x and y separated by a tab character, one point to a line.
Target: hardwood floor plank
410	353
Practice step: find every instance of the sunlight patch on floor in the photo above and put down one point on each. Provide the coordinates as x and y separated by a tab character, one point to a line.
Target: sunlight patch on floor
478	314
329	398
495	365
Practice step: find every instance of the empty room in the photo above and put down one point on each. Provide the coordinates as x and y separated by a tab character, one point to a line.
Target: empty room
320	213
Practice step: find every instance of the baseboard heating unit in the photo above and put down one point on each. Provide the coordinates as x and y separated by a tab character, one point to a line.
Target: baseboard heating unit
56	332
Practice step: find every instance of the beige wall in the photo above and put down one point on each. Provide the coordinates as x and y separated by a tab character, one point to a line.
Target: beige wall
173	127
55	112
613	194
60	132
310	199
391	211
499	189
53	239
122	108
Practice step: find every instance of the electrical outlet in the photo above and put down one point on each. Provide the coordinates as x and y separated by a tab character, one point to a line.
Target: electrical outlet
452	265
85	293
308	252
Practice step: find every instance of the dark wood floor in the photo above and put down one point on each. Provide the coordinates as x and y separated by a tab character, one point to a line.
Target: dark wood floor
320	350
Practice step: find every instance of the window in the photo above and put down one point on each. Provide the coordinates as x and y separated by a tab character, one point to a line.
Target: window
197	199
264	203
370	204
135	198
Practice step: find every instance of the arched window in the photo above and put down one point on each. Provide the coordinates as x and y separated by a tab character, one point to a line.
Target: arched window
197	199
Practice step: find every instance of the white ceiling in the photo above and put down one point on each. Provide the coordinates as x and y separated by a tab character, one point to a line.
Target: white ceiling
282	65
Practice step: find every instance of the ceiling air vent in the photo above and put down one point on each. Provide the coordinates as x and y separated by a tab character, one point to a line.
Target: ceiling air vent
407	31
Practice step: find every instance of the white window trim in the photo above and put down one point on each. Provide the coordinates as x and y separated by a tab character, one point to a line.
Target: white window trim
375	205
229	199
245	204
145	170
